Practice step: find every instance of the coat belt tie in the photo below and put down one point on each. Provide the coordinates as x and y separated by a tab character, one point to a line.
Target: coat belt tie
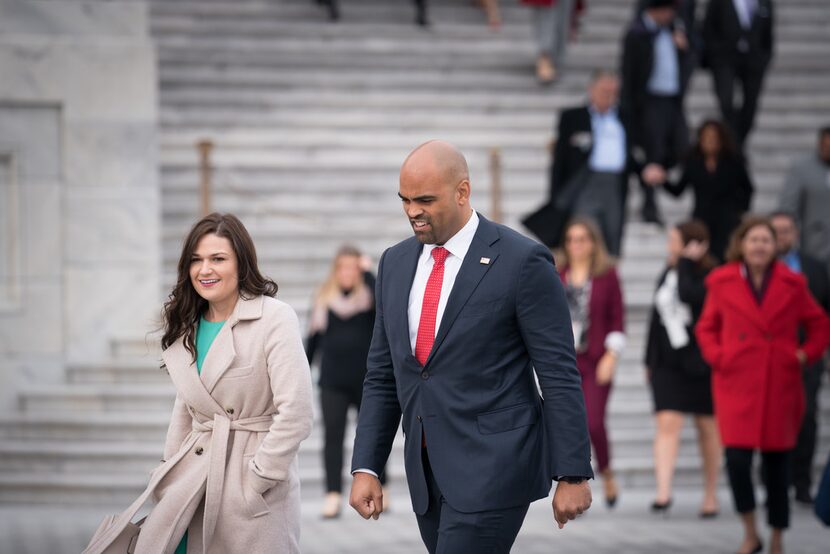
220	428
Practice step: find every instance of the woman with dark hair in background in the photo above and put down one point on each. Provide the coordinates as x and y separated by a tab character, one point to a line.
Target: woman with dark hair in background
596	305
229	480
749	333
342	319
679	378
722	187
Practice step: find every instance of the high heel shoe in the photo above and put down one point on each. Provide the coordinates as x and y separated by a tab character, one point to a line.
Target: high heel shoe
756	550
610	487
661	507
331	506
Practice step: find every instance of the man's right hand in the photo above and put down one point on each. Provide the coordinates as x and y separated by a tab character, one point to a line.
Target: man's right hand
367	495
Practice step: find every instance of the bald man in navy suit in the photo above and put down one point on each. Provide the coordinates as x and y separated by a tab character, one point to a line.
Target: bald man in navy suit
467	312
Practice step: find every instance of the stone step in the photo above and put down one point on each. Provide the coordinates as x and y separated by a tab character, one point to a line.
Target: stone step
174	76
442	14
464	101
96	397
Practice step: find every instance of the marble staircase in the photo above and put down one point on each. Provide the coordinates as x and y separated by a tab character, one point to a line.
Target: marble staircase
311	121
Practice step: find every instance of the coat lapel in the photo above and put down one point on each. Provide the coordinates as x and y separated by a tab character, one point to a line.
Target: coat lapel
469	276
778	296
744	300
182	370
221	354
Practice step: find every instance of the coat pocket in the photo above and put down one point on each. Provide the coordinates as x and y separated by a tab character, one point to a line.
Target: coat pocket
481	308
236	372
505	419
254	501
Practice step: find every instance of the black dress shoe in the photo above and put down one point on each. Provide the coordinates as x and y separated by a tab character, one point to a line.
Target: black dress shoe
803	496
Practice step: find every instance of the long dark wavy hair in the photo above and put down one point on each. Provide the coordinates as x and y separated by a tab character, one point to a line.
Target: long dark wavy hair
184	306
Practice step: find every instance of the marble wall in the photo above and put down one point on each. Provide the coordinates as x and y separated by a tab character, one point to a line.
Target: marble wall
79	188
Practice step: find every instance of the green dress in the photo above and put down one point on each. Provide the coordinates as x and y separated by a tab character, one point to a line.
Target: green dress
205	334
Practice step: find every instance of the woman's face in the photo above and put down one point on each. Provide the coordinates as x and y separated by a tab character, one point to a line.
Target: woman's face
674	245
213	269
578	243
758	247
347	272
710	141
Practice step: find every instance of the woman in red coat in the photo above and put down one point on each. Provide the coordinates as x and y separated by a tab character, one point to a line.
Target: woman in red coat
748	333
595	301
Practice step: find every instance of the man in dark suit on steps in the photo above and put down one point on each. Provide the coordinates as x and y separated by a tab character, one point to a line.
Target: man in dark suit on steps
814	270
467	312
656	64
592	161
738	46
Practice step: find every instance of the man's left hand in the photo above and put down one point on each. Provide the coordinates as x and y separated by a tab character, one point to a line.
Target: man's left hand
570	500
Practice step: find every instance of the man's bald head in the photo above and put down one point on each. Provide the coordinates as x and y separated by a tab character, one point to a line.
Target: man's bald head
435	190
439	157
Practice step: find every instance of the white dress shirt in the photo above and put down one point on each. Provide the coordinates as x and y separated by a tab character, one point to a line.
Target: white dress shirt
746	11
457	246
608	154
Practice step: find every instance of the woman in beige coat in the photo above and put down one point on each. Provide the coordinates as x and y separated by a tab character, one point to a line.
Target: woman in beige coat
229	481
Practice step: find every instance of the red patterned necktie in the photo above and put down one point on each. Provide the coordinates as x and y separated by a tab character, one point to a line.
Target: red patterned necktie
429	308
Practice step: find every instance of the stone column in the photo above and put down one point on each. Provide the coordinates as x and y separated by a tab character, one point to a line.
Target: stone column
80	217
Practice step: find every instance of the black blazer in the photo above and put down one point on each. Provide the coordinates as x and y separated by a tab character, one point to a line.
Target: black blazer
721	198
722	32
659	352
493	442
572	152
637	64
685	20
817	279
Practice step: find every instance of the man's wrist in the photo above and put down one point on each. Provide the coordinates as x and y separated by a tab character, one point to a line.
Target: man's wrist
571	479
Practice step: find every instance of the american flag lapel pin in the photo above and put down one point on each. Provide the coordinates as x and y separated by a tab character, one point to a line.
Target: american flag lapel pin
484	261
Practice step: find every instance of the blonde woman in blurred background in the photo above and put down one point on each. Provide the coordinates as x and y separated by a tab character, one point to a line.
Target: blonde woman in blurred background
340	332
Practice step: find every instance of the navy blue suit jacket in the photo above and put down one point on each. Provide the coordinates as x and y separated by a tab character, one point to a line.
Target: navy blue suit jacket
492	442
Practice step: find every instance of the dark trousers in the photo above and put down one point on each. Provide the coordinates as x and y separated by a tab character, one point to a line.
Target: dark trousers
665	136
596	402
806	445
448	531
776	477
740	119
601	199
335	404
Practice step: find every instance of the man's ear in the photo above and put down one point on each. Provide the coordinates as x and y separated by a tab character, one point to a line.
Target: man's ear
462	191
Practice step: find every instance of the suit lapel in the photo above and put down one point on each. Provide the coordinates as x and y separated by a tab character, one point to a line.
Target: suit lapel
468	278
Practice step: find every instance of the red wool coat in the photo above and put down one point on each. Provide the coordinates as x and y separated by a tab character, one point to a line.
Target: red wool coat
756	378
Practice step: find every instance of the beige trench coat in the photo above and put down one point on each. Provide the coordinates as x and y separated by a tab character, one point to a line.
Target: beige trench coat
233	441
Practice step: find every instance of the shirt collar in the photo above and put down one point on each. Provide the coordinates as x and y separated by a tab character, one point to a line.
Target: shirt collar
612	111
459	243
